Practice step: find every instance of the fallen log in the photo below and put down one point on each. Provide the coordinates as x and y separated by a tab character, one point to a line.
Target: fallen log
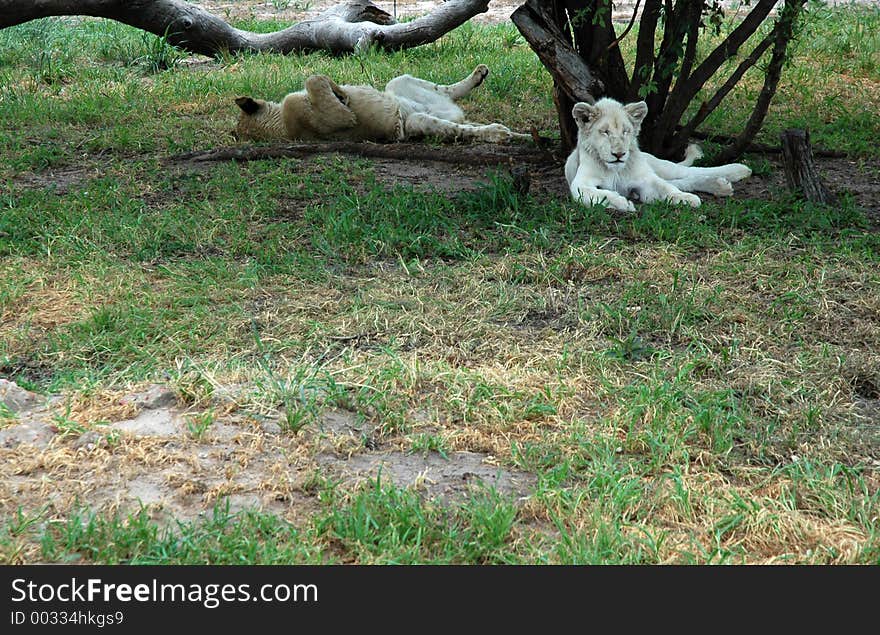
344	28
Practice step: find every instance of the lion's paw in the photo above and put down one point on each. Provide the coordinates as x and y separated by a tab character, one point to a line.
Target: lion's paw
691	154
611	200
480	73
496	133
630	206
685	197
317	82
620	203
737	172
721	187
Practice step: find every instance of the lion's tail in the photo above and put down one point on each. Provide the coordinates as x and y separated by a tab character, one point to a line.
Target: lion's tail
691	154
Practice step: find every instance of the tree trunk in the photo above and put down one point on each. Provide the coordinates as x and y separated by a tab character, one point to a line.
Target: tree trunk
573	81
568	70
800	172
344	28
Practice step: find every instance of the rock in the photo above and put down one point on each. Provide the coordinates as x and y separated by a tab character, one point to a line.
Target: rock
16	398
90	440
36	433
341	422
150	423
154	397
440	477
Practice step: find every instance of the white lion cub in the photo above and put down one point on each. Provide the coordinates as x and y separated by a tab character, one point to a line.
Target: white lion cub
607	166
408	108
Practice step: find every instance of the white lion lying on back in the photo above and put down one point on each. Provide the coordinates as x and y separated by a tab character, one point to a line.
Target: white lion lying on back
607	166
408	108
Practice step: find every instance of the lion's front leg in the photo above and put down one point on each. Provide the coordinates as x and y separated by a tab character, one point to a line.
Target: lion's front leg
656	189
587	192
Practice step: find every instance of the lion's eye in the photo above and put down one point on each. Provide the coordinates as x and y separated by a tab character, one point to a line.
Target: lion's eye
605	132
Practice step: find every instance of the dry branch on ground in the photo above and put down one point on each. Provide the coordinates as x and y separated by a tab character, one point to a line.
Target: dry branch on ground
464	155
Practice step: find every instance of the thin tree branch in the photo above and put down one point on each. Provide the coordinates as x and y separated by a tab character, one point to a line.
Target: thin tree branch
629	26
680	138
786	22
644	47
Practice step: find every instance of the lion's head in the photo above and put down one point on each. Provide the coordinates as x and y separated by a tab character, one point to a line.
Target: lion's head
609	130
259	120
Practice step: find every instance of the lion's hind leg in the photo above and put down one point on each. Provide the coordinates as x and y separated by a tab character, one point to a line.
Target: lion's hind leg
416	88
668	170
329	105
424	125
716	185
465	86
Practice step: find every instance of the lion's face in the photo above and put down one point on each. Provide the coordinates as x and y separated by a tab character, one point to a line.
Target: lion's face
609	130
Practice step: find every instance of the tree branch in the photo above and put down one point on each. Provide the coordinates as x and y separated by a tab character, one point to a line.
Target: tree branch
784	31
344	28
594	32
690	53
680	138
629	26
568	69
470	155
671	49
645	47
573	80
724	51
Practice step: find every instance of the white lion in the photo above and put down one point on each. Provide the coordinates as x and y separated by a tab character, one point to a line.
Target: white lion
607	166
408	108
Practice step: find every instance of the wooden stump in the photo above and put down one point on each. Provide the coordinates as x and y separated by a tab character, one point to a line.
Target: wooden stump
800	172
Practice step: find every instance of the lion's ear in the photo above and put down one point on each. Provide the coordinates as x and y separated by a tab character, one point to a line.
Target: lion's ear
248	105
584	114
637	112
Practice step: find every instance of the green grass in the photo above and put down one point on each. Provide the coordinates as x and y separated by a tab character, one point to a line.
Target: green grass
378	524
224	538
683	386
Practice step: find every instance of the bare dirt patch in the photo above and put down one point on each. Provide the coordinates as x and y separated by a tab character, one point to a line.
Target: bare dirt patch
59	180
159	460
857	178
